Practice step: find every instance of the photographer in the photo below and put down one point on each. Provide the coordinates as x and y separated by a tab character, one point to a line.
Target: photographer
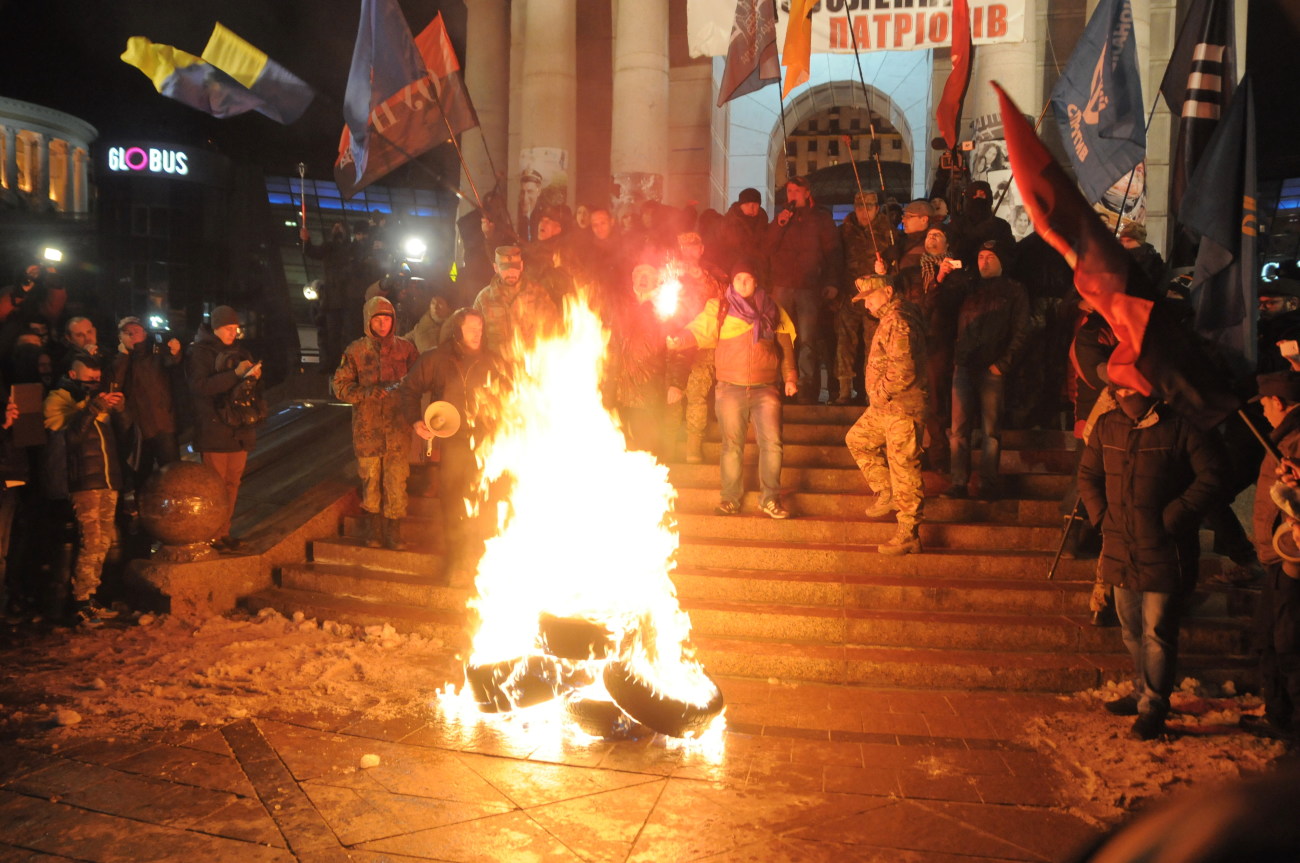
224	383
83	465
141	370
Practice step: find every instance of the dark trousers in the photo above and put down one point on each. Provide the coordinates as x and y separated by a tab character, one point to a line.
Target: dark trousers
803	307
976	394
230	467
1277	620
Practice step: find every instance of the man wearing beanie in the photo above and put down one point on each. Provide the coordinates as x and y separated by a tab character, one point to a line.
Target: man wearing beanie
216	367
753	341
742	235
367	378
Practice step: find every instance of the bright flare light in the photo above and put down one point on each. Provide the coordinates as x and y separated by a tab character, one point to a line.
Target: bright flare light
52	255
668	297
414	249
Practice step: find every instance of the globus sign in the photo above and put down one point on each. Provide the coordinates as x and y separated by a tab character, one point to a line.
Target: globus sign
152	160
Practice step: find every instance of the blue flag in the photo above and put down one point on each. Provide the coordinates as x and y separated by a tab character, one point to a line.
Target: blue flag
384	60
1220	208
1098	101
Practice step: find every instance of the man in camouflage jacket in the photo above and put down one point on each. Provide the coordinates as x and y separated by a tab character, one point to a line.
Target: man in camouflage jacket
886	440
367	379
512	305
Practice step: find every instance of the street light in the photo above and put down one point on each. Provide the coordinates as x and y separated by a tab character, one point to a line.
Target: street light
311	290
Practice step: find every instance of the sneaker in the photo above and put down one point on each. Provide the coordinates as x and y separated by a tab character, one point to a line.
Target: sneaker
1148	726
87	613
881	507
726	507
774	509
1125	705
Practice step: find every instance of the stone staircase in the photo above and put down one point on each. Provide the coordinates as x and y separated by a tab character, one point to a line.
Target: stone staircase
809	598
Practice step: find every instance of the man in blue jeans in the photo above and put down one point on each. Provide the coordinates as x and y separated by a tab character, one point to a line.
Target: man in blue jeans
753	339
991	330
1147	477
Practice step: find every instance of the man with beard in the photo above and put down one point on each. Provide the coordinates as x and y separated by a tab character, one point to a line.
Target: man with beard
804	262
512	306
937	284
458	371
870	247
1147	477
1279	325
976	225
886	440
367	379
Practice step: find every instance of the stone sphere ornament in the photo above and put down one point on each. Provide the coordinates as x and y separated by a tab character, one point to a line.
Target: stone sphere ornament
183	505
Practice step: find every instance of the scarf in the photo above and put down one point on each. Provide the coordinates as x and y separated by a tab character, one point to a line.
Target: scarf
760	311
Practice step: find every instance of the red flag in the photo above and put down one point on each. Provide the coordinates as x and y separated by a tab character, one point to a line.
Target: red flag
1155	354
412	120
948	114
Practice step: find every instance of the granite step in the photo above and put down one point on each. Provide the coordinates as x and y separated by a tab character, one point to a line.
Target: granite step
421	532
428	622
832	434
1029	633
847	478
928	668
852	504
846	415
348	551
425	591
857	530
836	454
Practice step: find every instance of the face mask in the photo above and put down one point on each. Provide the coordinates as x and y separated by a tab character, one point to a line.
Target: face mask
91	387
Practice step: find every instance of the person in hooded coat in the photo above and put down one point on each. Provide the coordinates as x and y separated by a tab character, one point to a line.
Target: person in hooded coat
367	378
977	225
459	371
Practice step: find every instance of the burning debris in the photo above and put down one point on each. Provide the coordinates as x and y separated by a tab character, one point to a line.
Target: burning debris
574	597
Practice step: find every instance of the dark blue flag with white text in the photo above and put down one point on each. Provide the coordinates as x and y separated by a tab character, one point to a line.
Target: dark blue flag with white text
384	60
1098	101
1220	209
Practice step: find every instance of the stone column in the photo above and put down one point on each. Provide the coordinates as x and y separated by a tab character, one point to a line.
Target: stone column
80	182
1011	65
640	145
11	159
487	78
41	191
548	106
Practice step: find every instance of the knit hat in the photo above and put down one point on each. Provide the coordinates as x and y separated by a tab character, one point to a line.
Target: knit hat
224	316
1002	250
919	207
128	321
744	265
750	196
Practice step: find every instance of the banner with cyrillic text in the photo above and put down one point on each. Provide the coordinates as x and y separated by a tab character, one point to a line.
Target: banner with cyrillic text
875	25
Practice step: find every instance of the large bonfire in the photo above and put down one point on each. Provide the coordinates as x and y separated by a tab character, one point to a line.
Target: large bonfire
574	599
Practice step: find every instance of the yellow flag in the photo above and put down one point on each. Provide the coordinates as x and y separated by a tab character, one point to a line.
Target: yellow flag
796	55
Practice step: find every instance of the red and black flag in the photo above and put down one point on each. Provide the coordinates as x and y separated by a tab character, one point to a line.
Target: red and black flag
948	113
752	62
1198	85
417	118
1155	354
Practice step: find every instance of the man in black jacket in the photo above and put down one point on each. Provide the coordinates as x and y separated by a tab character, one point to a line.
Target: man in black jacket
1147	477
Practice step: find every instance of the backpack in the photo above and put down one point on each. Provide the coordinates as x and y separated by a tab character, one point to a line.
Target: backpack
243	406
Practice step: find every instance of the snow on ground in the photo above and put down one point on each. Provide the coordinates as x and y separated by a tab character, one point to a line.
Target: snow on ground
1118	774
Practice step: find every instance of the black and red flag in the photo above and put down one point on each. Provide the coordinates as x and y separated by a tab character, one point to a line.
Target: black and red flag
1155	355
948	113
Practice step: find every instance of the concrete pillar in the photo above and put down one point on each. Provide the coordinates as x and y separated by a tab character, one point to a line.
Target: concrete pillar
41	191
487	79
65	186
548	108
11	159
80	182
640	144
1011	65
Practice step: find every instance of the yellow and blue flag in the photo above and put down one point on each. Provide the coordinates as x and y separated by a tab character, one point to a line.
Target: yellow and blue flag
231	78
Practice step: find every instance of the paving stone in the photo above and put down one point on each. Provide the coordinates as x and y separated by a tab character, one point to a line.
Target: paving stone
602	826
1047	835
512	836
925	783
527	784
365	816
189	767
242	818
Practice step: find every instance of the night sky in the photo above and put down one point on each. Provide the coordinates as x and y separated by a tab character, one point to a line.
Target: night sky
65	54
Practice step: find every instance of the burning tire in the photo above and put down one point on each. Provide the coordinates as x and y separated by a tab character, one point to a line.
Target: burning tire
499	687
599	718
575	638
662	713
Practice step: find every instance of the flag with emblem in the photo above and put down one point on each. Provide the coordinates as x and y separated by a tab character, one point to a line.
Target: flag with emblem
752	63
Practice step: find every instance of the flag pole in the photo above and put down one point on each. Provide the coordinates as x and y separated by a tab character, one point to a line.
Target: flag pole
858	180
1119	218
1038	124
460	156
780	100
871	124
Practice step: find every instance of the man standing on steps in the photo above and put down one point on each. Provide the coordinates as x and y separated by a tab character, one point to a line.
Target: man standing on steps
1147	478
754	341
886	440
367	378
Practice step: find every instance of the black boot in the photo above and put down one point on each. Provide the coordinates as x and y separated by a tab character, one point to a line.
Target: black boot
393	534
373	525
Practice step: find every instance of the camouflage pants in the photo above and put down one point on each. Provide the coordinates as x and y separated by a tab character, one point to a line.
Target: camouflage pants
854	330
383	484
95	511
699	391
887	449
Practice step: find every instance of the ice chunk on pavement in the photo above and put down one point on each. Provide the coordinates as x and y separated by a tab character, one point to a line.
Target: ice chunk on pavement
368	761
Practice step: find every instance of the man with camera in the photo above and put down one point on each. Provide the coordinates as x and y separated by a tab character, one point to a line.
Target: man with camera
85	468
141	369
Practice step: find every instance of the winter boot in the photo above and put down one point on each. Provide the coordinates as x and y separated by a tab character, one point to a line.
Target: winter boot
846	392
372	526
905	541
882	506
694	448
393	535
